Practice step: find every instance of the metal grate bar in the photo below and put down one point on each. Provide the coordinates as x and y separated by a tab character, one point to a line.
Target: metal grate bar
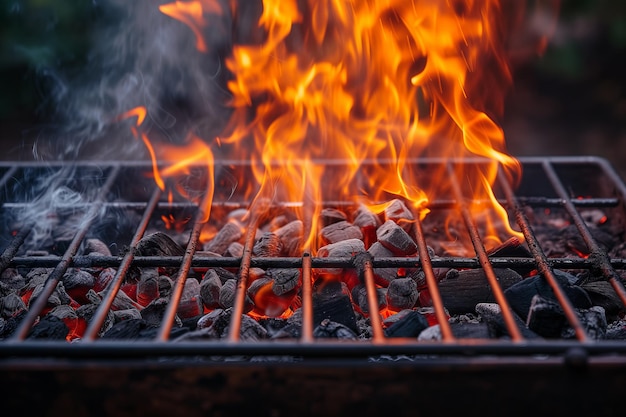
55	276
170	312
307	299
431	282
113	288
378	335
598	256
481	253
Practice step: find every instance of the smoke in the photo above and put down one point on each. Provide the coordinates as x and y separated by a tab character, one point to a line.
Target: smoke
140	57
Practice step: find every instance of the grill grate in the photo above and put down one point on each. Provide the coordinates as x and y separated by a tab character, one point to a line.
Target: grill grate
567	183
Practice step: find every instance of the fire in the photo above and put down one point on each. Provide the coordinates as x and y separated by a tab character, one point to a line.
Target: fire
373	83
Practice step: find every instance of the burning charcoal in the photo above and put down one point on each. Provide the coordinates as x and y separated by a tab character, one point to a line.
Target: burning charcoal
594	322
292	328
58	296
103	279
96	247
276	223
602	294
70	318
12	279
284	279
157	244
218	329
190	303
411	325
398	212
210	289
510	248
86	313
122	301
359	296
238	215
546	317
337	308
520	295
130	314
268	245
344	249
383	275
227	296
229	233
396	239
49	328
11	305
148	286
153	313
125	330
291	237
460	295
329	216
336	232
165	286
328	329
402	293
368	222
36	277
491	313
207	320
234	250
224	274
265	301
77	282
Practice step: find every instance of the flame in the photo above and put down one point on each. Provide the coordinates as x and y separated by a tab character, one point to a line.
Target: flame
373	83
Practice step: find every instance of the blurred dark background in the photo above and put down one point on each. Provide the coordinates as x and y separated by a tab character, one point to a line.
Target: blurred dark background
571	101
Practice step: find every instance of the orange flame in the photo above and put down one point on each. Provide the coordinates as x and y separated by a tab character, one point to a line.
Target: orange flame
373	83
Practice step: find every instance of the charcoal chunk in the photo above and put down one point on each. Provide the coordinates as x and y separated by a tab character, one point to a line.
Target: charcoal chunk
337	308
330	329
49	328
411	325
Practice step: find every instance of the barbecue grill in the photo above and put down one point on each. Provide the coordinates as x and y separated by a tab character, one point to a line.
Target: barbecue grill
308	374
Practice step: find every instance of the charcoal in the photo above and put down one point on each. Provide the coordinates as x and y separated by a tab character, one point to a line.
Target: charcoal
103	279
290	236
520	295
602	294
359	297
151	333
546	317
491	313
343	249
148	289
165	286
470	330
398	212
389	321
614	331
368	222
396	239
77	282
208	319
337	308
470	287
12	279
227	296
402	293
329	216
231	232
329	329
234	250
594	322
292	328
86	313
257	285
130	314
268	245
11	324
210	289
49	328
121	301
218	329
64	312
276	223
154	312
191	323
37	276
3	324
11	305
125	330
336	232
284	279
96	247
410	325
157	244
190	304
511	248
58	296
383	275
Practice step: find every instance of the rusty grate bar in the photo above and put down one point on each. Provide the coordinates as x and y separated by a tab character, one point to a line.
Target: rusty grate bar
481	253
107	301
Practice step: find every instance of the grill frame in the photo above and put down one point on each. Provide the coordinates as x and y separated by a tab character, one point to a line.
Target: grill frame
306	347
